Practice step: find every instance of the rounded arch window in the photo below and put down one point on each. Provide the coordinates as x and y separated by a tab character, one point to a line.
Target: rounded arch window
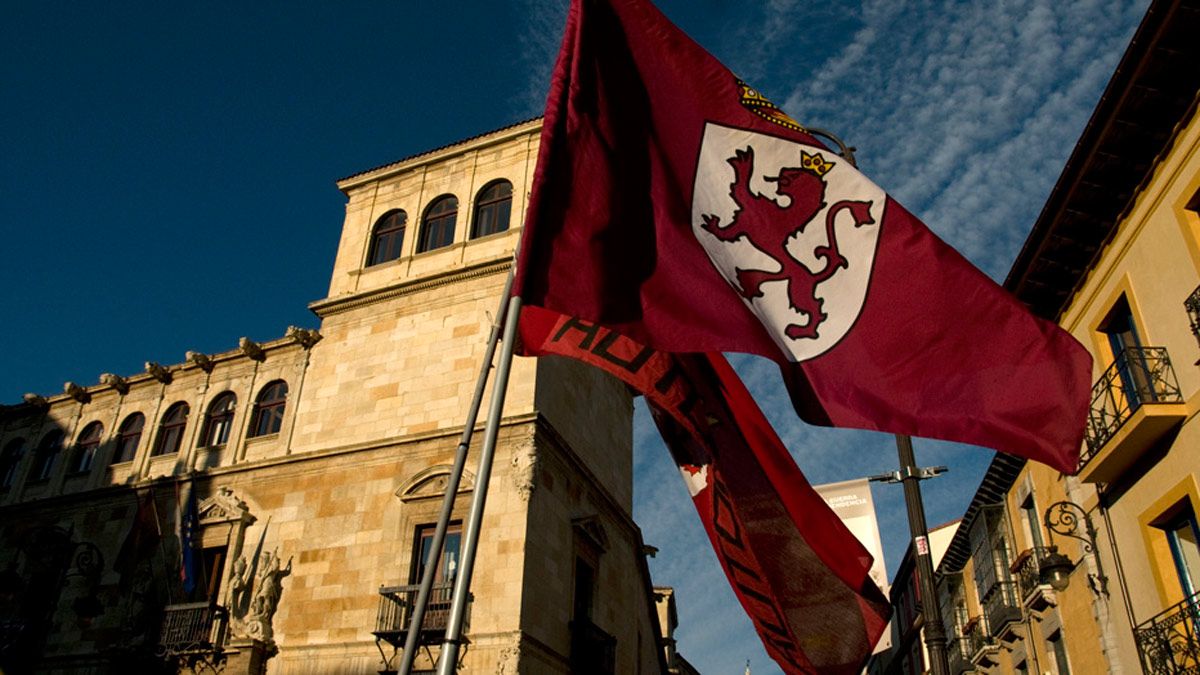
129	434
387	237
85	448
268	409
47	453
170	430
493	207
218	420
10	460
437	228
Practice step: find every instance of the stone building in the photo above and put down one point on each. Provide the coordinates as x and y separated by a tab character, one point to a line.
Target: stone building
306	473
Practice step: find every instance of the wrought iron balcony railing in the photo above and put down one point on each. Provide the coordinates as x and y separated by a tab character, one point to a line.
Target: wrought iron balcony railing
1138	375
1169	643
395	613
1028	569
193	628
1001	606
593	652
1192	306
981	646
958	654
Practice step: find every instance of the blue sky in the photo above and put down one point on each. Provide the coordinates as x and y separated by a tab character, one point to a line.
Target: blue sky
168	175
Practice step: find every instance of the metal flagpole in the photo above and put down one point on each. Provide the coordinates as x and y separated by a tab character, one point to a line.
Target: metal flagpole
460	460
931	613
448	660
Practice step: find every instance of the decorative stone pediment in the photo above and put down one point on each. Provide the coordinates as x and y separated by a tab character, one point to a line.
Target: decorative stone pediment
432	482
590	528
224	507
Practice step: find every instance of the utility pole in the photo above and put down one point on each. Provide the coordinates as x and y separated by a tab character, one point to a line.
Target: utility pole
910	476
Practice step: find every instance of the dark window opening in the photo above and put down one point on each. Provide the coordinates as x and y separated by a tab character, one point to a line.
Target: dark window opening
10	461
218	421
170	430
129	435
44	458
493	207
86	447
387	238
437	230
268	409
447	567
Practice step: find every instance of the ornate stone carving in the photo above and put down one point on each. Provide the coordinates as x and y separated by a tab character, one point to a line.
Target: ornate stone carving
35	400
525	470
158	372
263	588
306	337
201	360
251	349
510	658
76	392
116	382
224	507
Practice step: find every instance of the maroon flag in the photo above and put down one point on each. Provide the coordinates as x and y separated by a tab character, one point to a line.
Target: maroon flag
675	204
800	574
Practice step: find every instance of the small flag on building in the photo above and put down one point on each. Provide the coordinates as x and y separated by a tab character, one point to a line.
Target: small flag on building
185	532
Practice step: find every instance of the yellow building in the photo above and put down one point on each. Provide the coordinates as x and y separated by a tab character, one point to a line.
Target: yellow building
1099	572
318	463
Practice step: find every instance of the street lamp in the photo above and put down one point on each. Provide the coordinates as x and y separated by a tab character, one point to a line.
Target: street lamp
1055	570
1064	518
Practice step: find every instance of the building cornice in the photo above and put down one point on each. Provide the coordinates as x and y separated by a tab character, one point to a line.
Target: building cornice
330	306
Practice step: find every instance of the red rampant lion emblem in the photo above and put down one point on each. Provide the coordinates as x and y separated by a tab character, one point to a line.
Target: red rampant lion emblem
769	227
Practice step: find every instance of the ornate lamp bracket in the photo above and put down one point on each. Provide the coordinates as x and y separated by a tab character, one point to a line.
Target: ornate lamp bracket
1064	518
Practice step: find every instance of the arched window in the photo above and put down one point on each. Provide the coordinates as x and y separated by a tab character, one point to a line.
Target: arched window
437	228
218	420
268	409
170	430
85	448
493	206
387	237
10	461
128	436
47	453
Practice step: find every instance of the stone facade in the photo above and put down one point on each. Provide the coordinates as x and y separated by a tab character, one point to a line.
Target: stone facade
304	509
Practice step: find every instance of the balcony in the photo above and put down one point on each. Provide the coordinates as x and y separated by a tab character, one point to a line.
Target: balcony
982	649
193	629
958	655
593	652
1134	403
1027	568
1003	611
395	614
1168	643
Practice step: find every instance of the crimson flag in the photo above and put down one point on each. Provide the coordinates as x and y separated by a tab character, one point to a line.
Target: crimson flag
800	574
675	204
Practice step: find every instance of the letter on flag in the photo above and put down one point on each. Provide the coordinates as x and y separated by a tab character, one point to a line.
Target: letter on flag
676	205
800	574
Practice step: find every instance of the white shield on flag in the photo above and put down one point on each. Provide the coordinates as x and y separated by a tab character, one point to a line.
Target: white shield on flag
793	228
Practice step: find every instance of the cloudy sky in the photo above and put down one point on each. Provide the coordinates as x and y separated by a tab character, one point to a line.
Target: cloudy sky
168	179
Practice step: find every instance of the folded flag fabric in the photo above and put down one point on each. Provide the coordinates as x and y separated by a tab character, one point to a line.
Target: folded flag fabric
800	574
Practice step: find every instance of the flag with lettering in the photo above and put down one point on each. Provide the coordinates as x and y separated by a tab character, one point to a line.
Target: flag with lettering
676	204
800	574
